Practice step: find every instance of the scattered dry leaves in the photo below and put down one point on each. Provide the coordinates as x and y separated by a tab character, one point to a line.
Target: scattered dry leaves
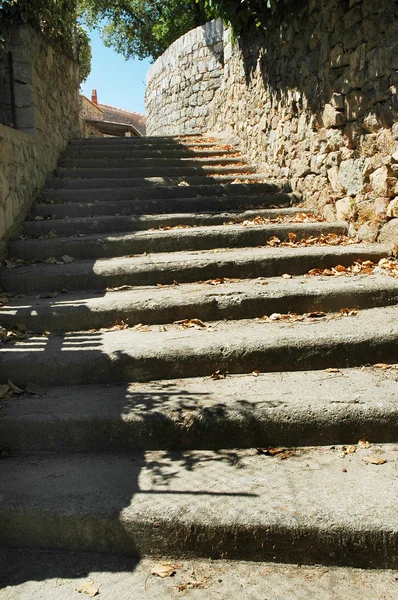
14	333
14	263
295	218
63	260
292	317
367	267
331	239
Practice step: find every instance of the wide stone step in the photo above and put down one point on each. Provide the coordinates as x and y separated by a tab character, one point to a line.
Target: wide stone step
233	504
104	357
136	182
127	153
162	171
253	194
225	300
106	163
143	142
27	571
190	266
175	240
132	222
297	409
125	205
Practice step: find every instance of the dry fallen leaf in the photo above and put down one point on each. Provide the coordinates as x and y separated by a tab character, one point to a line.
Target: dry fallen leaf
219	374
191	323
14	388
281	452
374	460
332	370
67	259
89	588
4	391
362	443
349	450
164	570
287	276
348	312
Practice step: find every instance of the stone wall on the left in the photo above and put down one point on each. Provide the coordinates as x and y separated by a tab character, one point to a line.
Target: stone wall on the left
46	87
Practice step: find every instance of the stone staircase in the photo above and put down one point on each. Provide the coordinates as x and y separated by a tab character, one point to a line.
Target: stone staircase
189	390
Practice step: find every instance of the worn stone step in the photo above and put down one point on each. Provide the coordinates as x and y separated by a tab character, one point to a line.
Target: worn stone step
95	204
136	182
150	172
106	163
189	266
233	504
253	194
228	300
142	142
132	222
294	409
80	358
175	240
74	152
27	571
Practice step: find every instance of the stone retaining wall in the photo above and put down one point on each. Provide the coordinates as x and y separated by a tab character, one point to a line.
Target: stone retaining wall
181	84
313	101
47	117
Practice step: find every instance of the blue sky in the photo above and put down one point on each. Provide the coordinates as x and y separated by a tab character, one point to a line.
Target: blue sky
118	82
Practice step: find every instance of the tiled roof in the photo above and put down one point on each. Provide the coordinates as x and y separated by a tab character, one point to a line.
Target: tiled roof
119	115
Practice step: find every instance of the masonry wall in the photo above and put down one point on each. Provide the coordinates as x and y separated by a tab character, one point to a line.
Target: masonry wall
313	101
181	84
47	117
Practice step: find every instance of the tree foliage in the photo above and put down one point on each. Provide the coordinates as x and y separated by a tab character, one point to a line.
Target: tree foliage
142	28
241	15
58	22
134	28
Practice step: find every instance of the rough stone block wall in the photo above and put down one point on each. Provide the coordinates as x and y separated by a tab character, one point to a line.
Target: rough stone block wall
313	101
181	84
47	107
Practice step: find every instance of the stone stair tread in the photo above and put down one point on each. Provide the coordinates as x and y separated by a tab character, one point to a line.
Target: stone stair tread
294	409
188	266
145	162
109	223
130	153
151	171
227	503
231	299
27	571
136	182
250	192
171	352
200	238
70	203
